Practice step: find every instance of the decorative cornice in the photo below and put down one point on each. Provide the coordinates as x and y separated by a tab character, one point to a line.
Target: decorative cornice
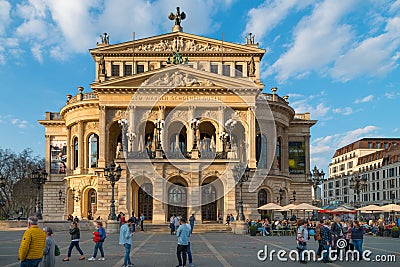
82	104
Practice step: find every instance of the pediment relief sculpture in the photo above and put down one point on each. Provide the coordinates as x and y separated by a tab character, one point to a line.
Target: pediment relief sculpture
176	79
179	44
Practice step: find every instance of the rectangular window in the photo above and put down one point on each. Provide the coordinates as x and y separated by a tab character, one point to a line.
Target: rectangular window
391	172
139	69
214	68
297	158
127	70
334	169
114	70
378	196
238	70
378	145
342	167
369	145
337	192
350	165
226	70
345	182
337	183
377	186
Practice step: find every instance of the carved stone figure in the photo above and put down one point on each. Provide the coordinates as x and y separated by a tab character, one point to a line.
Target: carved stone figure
178	17
102	67
251	67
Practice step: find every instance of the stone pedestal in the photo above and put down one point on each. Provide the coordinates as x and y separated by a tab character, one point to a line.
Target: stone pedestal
195	154
239	227
112	227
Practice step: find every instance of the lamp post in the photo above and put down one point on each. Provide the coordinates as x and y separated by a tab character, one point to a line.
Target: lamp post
315	177
159	123
393	196
358	183
194	124
241	175
112	173
77	197
280	198
294	197
39	177
230	124
60	197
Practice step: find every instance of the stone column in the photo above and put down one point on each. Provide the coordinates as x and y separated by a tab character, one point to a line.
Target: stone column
251	136
121	191
190	140
48	155
307	153
194	193
81	147
221	122
69	151
159	191
103	137
132	127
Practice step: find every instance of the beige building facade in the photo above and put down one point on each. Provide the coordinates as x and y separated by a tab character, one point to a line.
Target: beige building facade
178	113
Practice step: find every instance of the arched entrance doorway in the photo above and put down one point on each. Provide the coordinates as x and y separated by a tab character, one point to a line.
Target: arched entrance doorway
208	199
145	201
177	200
92	204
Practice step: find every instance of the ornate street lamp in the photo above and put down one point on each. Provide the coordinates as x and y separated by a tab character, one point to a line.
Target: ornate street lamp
280	198
230	124
315	177
358	183
39	177
77	197
223	136
112	173
60	197
241	174
194	125
159	123
294	197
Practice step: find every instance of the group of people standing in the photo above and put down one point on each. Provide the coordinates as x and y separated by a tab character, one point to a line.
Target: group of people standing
328	234
136	221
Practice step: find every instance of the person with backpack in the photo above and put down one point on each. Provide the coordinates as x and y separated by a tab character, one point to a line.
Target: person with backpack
302	238
101	233
49	255
75	236
318	238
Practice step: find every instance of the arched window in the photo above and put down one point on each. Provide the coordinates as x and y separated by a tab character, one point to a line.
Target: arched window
76	152
177	195
261	151
262	197
278	153
93	150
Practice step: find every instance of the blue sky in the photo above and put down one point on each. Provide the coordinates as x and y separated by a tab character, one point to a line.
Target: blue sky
338	60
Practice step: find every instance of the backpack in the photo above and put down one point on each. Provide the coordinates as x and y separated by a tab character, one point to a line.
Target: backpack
57	251
96	237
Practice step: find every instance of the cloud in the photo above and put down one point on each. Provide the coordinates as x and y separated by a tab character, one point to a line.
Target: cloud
303	106
318	40
366	99
265	17
374	56
392	95
344	111
9	119
5	9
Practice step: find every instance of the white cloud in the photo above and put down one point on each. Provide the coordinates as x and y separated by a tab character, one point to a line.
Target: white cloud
303	106
344	111
37	52
265	17
318	40
5	9
392	95
366	99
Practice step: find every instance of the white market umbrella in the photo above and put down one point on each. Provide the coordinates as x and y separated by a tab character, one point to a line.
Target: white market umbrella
270	206
390	208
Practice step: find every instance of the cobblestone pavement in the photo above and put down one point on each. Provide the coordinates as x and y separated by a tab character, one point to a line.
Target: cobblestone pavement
209	249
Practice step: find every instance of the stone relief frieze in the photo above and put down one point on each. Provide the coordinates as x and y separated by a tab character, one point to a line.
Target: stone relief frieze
74	129
178	115
176	79
90	126
179	44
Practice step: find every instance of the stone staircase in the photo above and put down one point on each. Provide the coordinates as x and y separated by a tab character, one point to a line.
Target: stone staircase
198	228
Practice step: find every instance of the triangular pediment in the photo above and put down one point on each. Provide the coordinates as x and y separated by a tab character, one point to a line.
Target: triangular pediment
175	76
178	41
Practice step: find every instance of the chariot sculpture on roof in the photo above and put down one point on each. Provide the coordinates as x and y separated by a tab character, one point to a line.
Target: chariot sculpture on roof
178	17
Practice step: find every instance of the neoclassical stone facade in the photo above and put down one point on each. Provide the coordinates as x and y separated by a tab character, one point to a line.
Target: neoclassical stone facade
181	169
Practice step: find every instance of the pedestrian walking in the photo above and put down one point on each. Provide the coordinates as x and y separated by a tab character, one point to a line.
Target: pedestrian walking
189	251
49	254
192	219
318	237
75	233
337	231
101	233
141	222
177	220
172	224
326	235
183	234
133	218
33	242
125	239
302	238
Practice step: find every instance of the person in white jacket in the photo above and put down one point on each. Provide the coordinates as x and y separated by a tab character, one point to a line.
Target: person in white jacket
125	239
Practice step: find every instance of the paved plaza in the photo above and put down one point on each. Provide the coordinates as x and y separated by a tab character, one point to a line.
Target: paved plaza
209	249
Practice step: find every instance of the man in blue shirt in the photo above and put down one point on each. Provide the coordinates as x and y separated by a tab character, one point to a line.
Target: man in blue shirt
398	222
125	239
183	234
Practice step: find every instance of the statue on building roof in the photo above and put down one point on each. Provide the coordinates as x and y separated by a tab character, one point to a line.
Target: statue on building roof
250	38
178	17
105	39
